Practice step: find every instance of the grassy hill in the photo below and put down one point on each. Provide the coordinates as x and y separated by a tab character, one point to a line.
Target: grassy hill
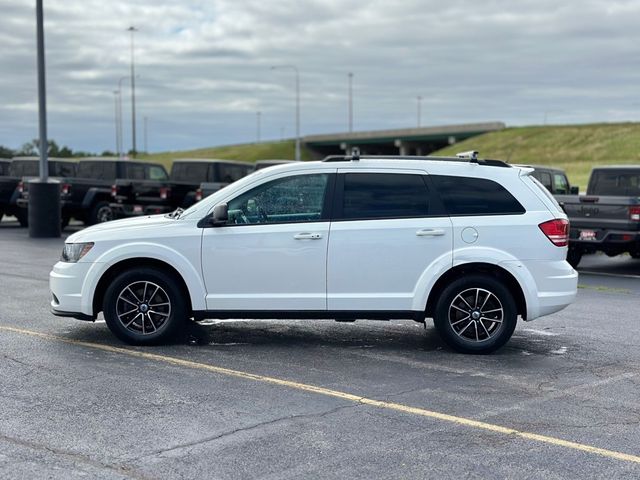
249	152
576	148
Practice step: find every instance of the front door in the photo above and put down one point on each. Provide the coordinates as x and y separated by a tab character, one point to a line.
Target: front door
272	254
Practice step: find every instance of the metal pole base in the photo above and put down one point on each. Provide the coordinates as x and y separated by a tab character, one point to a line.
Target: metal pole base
44	209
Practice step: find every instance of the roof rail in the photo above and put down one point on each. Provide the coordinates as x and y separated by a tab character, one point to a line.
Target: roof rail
476	160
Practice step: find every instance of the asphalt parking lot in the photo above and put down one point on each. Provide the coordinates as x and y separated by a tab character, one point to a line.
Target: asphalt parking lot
317	399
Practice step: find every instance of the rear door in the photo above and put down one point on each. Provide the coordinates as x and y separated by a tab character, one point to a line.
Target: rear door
387	230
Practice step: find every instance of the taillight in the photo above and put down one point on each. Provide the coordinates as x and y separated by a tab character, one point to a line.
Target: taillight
114	190
634	214
557	231
164	192
20	187
66	189
198	195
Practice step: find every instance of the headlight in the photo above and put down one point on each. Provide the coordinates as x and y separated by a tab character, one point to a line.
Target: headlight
72	252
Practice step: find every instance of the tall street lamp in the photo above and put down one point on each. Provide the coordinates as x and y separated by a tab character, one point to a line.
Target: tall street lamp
350	101
44	194
116	95
133	29
146	146
419	99
258	121
295	69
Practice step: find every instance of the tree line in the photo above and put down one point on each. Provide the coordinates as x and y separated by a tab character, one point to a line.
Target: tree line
32	149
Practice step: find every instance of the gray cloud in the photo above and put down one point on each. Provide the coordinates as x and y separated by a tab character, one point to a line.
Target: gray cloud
204	65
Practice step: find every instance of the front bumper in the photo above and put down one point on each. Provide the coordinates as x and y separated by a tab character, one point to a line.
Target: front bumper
65	283
126	211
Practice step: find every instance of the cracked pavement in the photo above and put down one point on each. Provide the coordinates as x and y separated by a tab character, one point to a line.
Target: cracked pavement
68	411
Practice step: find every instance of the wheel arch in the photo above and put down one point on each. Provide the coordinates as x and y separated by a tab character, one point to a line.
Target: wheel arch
116	269
482	268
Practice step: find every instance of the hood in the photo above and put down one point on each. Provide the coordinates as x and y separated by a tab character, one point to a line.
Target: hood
123	226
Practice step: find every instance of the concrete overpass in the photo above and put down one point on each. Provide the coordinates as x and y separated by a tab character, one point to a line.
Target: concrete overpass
409	141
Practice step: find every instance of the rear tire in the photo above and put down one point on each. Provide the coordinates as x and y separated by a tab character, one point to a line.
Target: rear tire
476	314
100	213
145	306
574	255
23	217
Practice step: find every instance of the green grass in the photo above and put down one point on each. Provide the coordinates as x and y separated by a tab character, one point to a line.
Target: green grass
575	148
249	152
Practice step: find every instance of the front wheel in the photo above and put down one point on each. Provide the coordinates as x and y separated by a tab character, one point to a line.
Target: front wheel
476	314
145	306
23	217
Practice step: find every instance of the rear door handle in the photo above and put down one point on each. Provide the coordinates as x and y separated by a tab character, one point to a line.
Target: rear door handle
308	236
430	232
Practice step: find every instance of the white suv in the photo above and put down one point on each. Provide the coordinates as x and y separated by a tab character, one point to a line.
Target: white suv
471	243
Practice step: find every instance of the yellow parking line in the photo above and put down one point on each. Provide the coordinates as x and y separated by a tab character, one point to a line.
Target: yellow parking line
338	394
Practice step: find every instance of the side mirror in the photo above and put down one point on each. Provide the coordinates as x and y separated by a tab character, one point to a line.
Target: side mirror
575	190
220	215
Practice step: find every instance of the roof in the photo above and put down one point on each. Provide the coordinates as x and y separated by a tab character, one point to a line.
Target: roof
210	160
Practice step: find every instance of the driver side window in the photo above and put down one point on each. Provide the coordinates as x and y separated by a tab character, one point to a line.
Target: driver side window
293	199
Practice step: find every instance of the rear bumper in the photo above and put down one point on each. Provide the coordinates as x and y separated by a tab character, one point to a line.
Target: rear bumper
548	286
604	237
121	210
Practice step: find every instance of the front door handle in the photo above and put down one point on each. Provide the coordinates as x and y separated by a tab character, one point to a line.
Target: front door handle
430	232
308	236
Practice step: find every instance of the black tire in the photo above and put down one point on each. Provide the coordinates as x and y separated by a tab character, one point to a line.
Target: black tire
100	213
64	222
126	292
484	334
574	255
23	217
635	255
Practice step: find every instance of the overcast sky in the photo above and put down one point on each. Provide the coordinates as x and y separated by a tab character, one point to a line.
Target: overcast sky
204	66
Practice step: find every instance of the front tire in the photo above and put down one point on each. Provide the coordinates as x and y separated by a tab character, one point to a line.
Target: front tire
23	217
476	314
145	306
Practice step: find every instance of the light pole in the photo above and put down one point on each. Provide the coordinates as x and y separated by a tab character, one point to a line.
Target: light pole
116	99
133	29
44	195
350	102
146	147
258	119
297	72
419	99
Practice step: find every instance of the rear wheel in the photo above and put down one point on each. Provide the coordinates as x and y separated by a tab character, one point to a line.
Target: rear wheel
145	306
100	213
476	314
574	255
23	217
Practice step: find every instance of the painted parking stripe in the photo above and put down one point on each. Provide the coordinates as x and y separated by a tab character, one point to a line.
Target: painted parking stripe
467	422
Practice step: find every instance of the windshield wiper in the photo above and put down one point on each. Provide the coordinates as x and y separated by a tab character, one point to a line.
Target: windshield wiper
175	214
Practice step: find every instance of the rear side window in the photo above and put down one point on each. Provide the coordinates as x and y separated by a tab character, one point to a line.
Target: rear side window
4	169
475	196
97	170
384	195
229	172
195	172
544	178
136	171
24	168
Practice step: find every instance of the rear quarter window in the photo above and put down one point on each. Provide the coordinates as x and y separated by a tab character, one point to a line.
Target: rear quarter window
475	196
195	172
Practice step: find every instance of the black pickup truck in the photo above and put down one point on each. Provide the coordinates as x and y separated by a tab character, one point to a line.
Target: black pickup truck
14	187
181	190
87	196
607	218
554	179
